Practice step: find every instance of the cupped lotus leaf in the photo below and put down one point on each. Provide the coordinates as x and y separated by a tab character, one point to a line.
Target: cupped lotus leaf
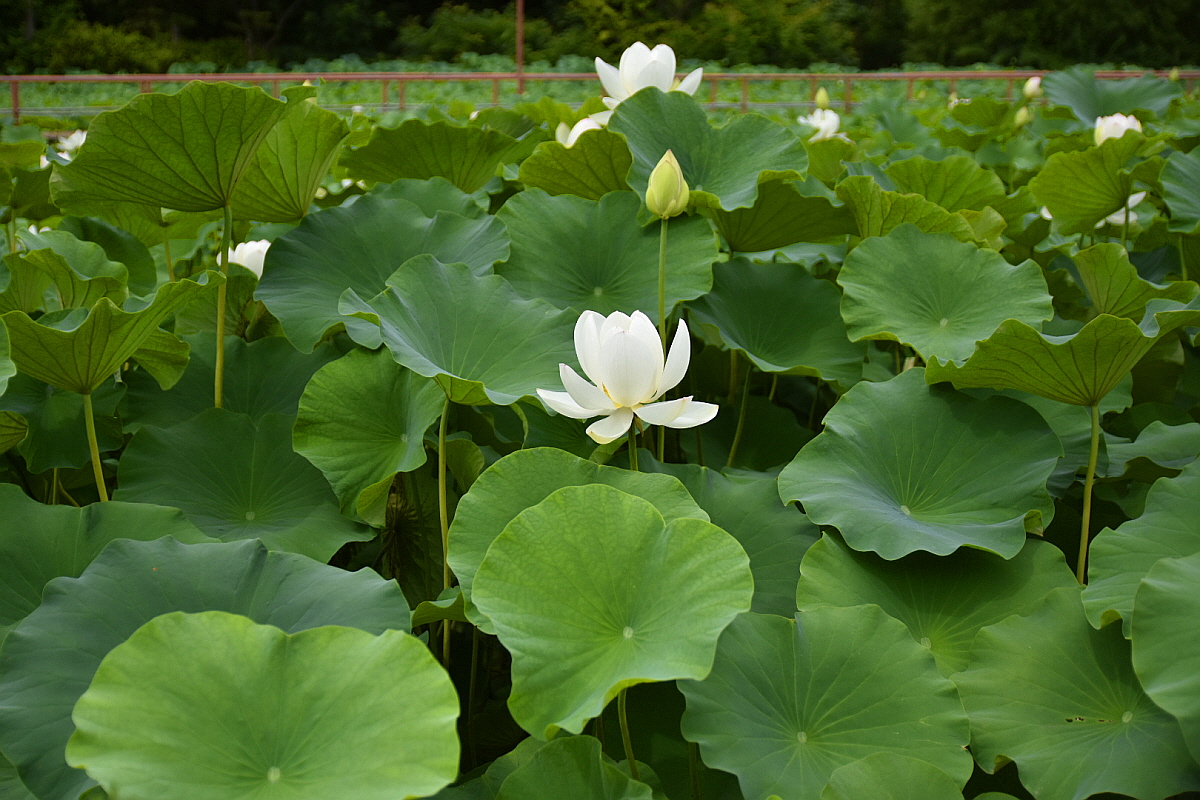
935	293
42	280
86	258
782	318
574	767
722	166
944	600
471	333
1166	653
1078	89
290	163
1119	559
48	661
185	151
118	245
1160	450
266	376
57	430
465	156
890	776
580	254
1180	179
266	713
877	211
902	467
525	478
954	183
359	247
1079	369
244	482
1082	187
592	167
785	212
827	158
39	543
789	701
592	590
1114	286
362	420
1061	700
21	154
747	506
81	357
30	194
433	195
13	430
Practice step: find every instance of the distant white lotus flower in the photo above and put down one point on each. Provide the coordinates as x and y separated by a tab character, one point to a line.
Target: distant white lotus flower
1118	216
71	143
623	356
1114	127
825	121
1032	88
567	135
250	255
642	67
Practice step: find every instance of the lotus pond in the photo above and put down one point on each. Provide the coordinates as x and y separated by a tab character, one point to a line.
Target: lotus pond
818	460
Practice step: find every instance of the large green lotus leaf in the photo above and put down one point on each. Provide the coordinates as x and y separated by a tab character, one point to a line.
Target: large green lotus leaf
877	211
363	419
1166	652
266	713
594	166
359	247
1082	187
471	333
747	506
1160	450
1114	286
890	776
465	156
57	430
118	245
40	542
581	254
86	258
935	293
525	478
7	368
21	154
1078	89
266	376
49	659
1062	701
944	601
954	183
1079	369
722	166
574	767
592	590
1180	179
433	195
13	430
185	151
902	467
42	280
88	349
789	701
1119	559
782	318
289	165
785	212
243	482
11	787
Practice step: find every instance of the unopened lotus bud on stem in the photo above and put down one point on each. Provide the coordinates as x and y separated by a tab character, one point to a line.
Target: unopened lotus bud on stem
667	192
822	98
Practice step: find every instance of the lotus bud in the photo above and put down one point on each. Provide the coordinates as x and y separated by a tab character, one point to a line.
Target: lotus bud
1023	116
1114	127
822	98
667	192
1174	75
1032	88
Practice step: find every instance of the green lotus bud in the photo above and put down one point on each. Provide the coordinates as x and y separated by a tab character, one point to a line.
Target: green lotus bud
667	193
1023	116
822	98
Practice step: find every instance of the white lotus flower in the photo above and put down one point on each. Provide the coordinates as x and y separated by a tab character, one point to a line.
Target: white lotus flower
567	135
1032	88
642	67
1114	127
623	356
825	121
1118	216
69	144
250	255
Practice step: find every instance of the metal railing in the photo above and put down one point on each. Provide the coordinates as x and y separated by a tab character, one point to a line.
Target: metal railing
400	81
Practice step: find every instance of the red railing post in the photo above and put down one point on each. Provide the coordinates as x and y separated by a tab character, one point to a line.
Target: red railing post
745	81
909	94
15	91
495	91
145	87
383	92
712	92
848	99
275	89
402	88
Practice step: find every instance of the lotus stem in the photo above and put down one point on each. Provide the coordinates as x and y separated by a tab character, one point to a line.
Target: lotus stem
774	386
662	286
633	448
625	740
1182	259
444	519
1125	227
52	500
812	411
12	234
170	263
219	375
90	419
694	770
1089	481
471	696
741	423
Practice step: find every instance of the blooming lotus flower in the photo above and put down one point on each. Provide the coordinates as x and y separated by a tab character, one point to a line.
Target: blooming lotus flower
69	144
623	357
1032	88
567	135
825	121
250	255
642	67
1114	127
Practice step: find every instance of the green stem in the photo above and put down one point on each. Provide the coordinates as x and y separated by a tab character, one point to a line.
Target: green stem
471	696
741	423
633	770
94	446
1182	259
812	412
219	377
733	370
12	234
53	499
1125	226
170	263
1085	529
662	285
633	448
694	770
774	386
444	519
